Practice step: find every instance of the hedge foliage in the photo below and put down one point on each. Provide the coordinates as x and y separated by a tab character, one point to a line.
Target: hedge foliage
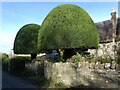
15	65
5	64
26	41
68	26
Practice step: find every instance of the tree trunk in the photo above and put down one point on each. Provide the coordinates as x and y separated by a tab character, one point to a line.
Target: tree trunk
33	56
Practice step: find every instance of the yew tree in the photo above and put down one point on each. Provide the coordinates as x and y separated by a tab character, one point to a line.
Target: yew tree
26	40
68	27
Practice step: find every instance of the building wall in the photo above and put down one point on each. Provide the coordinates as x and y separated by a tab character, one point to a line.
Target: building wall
107	46
105	30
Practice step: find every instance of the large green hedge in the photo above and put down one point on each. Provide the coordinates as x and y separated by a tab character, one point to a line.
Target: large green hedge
26	41
68	26
16	65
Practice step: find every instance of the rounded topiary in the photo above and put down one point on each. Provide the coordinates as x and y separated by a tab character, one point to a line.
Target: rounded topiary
26	40
68	27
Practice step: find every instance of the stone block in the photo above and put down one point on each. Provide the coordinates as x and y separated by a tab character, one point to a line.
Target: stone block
107	65
97	65
118	67
101	66
113	65
92	65
79	65
86	64
83	64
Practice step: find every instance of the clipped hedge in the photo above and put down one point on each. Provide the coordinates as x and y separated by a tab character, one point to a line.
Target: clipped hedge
68	26
26	40
17	65
5	64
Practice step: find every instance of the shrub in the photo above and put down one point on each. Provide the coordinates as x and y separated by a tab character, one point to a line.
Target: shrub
104	59
77	58
60	85
5	64
17	65
68	27
27	59
95	59
89	56
26	40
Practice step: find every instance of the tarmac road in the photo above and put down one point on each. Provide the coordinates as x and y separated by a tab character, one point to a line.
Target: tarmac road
9	81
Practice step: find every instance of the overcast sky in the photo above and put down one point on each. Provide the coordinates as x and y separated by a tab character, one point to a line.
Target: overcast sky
17	14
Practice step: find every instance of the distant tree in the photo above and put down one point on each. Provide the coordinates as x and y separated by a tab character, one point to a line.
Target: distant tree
4	56
70	28
26	40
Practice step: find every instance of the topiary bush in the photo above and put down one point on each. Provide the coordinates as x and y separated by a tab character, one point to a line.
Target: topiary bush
26	40
68	26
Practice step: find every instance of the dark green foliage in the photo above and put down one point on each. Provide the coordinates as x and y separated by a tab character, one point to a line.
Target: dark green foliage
17	65
26	40
68	26
5	64
27	59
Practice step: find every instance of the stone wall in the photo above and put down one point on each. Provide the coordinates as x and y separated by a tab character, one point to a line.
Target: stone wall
36	67
93	74
84	73
106	49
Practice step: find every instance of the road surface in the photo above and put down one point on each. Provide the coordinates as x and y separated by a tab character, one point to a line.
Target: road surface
9	81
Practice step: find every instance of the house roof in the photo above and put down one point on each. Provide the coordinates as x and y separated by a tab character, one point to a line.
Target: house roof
105	30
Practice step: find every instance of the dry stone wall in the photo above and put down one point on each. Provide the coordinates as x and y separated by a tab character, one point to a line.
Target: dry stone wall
106	49
100	75
84	73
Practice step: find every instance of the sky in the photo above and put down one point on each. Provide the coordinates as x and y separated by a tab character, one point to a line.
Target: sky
17	14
